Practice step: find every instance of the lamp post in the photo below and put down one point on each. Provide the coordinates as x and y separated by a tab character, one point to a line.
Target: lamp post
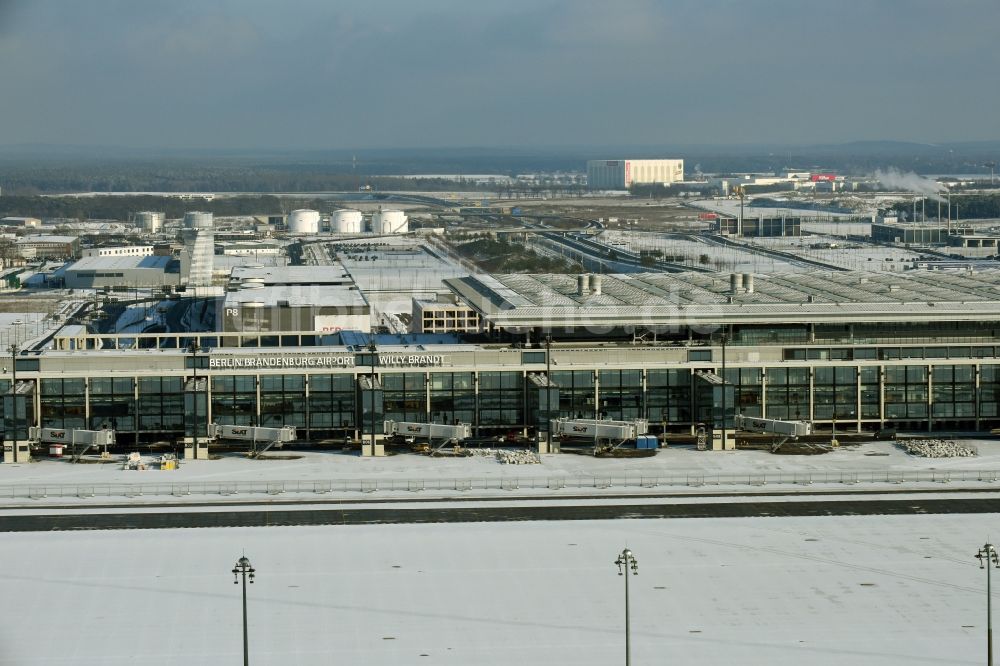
724	341
987	556
372	350
626	560
548	393
244	568
193	349
13	393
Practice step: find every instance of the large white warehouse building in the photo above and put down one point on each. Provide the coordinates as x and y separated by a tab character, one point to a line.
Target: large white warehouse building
620	174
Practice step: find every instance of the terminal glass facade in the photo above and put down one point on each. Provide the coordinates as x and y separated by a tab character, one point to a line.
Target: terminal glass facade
331	405
576	394
621	394
112	403
940	391
501	400
405	396
452	397
234	400
161	405
283	401
63	403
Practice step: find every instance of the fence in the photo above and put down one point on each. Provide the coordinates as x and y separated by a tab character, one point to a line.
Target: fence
589	482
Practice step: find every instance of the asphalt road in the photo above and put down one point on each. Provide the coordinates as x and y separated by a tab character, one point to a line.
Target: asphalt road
388	515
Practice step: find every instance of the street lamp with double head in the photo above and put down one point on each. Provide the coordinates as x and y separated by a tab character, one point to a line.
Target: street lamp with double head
626	560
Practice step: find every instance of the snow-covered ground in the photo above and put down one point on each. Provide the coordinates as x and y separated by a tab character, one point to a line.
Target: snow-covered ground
673	469
778	591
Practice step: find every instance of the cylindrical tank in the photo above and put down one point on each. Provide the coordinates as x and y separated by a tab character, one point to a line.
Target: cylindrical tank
735	283
197	220
390	222
303	221
149	221
748	282
346	221
596	285
582	284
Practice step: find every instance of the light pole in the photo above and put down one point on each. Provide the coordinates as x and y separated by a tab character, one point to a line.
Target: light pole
625	560
725	339
244	568
13	393
548	393
372	350
987	557
193	349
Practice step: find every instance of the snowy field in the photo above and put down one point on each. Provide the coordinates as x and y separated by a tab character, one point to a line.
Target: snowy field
776	591
674	469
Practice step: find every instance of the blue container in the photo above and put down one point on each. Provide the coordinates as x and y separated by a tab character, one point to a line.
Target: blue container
647	442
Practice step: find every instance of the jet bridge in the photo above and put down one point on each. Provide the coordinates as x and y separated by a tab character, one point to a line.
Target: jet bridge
611	433
784	430
80	441
255	435
448	434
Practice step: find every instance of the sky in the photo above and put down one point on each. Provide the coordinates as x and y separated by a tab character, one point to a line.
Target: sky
334	74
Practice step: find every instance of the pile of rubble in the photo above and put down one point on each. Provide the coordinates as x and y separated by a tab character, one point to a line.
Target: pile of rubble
523	457
506	456
937	448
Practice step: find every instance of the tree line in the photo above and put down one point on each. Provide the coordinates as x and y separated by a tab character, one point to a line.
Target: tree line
965	207
123	207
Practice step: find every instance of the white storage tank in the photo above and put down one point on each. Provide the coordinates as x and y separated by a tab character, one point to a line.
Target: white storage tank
197	220
303	221
149	221
346	221
390	222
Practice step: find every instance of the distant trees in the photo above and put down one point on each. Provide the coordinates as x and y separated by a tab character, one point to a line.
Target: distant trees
502	256
968	206
120	207
214	176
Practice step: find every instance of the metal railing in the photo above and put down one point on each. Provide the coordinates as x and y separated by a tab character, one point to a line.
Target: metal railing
505	483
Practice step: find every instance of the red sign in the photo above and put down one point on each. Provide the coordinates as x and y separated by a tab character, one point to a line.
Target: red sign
708	216
628	173
823	176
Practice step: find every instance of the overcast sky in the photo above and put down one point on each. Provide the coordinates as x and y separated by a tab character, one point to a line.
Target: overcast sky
422	73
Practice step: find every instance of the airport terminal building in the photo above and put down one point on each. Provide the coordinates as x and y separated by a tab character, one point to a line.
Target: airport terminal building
917	350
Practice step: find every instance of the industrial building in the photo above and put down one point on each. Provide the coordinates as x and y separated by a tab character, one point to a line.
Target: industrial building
444	314
332	275
118	251
917	350
621	174
916	234
12	221
276	308
759	226
248	249
48	246
125	271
